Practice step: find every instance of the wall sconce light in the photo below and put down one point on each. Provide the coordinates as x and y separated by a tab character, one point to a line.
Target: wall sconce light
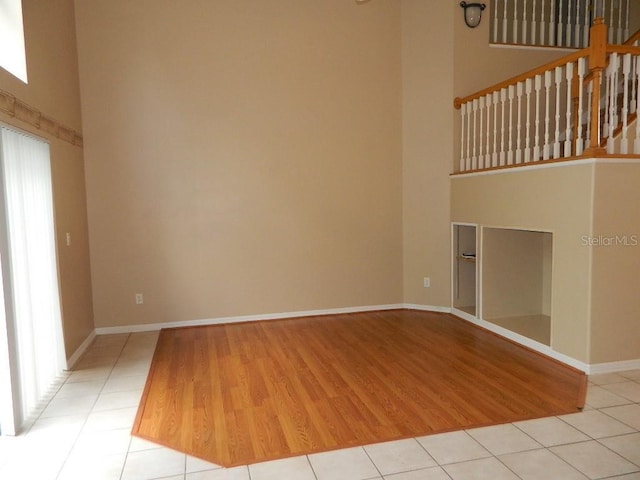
472	13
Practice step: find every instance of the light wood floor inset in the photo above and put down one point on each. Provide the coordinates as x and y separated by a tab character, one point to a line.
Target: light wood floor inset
244	393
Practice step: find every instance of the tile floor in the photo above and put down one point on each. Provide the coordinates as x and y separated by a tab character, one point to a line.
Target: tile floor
83	433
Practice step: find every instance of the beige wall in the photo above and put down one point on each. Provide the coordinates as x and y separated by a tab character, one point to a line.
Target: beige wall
616	264
427	69
558	200
242	157
53	89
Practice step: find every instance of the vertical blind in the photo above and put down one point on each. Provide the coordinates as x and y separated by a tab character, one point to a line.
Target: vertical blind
30	277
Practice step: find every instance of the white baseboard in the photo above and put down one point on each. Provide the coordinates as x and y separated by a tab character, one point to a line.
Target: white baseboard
525	341
427	308
71	361
243	318
612	367
589	369
464	315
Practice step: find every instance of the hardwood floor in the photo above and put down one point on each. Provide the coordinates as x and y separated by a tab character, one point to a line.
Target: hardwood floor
244	393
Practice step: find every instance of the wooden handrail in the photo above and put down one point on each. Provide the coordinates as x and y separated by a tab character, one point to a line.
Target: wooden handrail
572	57
632	38
623	49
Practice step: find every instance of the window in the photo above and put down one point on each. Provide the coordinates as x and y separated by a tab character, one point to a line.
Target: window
12	54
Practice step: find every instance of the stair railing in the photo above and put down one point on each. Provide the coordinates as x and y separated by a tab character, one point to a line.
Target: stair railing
572	107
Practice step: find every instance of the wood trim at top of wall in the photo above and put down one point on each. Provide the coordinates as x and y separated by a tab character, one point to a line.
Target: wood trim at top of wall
20	110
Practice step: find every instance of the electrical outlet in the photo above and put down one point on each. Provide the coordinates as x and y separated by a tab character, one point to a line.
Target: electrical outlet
139	299
426	283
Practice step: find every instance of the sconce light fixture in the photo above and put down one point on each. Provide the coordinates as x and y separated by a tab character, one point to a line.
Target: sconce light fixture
472	13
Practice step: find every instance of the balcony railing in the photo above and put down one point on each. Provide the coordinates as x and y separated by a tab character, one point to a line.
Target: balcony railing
556	23
581	104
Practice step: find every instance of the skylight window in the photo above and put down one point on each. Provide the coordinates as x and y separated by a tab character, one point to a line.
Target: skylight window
12	53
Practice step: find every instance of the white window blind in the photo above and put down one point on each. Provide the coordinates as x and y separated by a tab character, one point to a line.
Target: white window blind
29	268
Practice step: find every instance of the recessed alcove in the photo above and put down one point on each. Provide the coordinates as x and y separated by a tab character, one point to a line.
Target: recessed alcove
464	269
516	281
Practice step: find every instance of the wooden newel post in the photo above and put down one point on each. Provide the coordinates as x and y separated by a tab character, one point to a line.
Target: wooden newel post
597	64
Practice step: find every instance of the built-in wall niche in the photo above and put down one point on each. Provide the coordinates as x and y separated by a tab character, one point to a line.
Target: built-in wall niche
464	268
516	281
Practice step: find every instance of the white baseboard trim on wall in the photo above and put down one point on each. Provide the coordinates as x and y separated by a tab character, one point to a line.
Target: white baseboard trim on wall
71	361
427	308
525	341
612	367
243	318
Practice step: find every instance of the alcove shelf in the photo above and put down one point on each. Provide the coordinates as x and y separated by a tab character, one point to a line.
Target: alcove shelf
465	275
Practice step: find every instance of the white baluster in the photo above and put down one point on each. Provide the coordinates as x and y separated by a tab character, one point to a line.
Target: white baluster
568	133
525	40
556	142
494	154
481	133
610	22
589	97
504	23
560	41
503	97
495	22
474	158
464	145
569	36
626	70
612	101
487	153
626	22
511	92
527	138
547	117
615	65
552	24
519	123
636	142
633	104
543	23
606	110
536	142
620	29
534	25
468	157
515	23
581	72
576	40
586	26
